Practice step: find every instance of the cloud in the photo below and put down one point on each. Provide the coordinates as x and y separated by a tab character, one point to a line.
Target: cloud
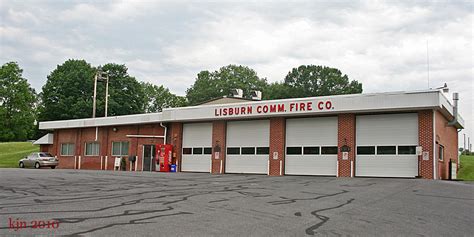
381	44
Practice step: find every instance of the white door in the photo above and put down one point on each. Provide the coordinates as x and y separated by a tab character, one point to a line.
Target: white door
197	147
248	147
311	146
386	145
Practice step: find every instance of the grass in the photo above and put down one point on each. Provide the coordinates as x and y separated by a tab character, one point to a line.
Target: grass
12	152
466	172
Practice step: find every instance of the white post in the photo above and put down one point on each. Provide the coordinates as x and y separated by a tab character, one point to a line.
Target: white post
142	162
281	167
95	96
106	94
136	163
210	167
352	168
337	168
221	167
106	158
268	173
75	162
130	162
101	162
79	162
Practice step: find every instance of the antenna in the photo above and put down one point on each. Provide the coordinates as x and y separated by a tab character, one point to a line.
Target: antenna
428	63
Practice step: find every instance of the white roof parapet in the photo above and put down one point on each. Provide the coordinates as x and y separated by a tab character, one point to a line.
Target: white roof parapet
45	140
352	103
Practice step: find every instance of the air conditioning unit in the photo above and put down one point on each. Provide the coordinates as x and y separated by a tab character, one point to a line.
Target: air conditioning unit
256	95
237	93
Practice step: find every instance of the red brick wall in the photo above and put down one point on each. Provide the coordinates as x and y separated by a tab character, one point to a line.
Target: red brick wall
47	148
176	135
65	136
425	139
219	130
446	136
346	136
277	144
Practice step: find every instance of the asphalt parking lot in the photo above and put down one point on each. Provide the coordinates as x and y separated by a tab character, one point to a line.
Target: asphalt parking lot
98	203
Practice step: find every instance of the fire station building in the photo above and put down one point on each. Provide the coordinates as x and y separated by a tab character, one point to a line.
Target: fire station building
397	134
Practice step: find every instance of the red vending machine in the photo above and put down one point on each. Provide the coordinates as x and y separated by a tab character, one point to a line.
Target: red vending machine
164	152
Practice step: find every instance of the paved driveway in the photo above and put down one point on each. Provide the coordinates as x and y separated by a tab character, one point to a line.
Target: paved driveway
191	204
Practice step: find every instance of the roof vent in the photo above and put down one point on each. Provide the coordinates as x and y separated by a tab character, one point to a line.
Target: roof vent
256	95
237	93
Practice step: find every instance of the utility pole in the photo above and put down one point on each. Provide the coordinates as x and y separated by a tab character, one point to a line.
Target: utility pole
99	76
464	147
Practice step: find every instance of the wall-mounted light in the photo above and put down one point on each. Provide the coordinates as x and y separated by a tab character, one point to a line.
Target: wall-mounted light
114	129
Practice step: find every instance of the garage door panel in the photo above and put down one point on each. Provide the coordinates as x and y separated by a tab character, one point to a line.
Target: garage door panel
387	129
248	133
196	135
196	163
241	164
387	166
311	165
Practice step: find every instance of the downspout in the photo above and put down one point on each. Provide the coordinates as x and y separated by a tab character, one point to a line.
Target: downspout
166	132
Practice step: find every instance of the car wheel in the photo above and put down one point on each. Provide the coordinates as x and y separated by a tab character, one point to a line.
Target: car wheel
22	165
52	167
37	165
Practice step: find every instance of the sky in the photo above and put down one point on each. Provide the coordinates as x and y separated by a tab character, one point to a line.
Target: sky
386	45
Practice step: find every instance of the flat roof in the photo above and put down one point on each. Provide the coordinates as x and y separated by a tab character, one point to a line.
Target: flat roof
321	105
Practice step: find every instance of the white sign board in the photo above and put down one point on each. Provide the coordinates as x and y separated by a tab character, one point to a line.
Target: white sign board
345	155
117	161
426	155
419	150
275	155
217	155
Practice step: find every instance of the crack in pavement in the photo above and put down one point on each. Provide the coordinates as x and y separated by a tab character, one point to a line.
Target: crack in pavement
324	219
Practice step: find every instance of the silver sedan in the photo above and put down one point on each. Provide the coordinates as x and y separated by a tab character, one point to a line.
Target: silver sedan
38	160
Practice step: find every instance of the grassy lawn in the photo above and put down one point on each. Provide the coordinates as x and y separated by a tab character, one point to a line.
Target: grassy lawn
12	152
466	172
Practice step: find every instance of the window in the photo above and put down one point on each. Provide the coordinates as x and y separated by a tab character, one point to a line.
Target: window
386	150
311	150
407	150
120	148
67	149
45	154
187	151
92	149
329	150
366	150
293	150
197	151
233	150
207	150
248	150
263	150
441	153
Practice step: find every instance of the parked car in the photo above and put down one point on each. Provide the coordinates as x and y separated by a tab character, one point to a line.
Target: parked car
38	160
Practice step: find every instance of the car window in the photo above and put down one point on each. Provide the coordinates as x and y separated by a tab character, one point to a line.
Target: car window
45	155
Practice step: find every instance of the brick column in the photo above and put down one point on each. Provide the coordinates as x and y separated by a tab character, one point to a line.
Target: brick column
346	136
219	130
425	139
277	144
177	141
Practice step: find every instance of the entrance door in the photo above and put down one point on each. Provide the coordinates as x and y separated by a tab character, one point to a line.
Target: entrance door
149	162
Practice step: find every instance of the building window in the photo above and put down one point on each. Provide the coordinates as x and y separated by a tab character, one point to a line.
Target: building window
329	150
311	150
67	149
233	150
207	150
441	153
187	151
386	150
197	151
293	150
248	150
263	150
92	149
119	148
366	150
406	150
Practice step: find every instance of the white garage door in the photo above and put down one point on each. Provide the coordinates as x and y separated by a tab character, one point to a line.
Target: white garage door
248	147
311	146
197	147
386	145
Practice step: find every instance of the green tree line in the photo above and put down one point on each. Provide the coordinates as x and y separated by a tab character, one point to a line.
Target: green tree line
68	92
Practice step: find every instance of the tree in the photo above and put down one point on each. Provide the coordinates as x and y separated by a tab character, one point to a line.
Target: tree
311	80
210	85
17	104
277	90
159	97
68	92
